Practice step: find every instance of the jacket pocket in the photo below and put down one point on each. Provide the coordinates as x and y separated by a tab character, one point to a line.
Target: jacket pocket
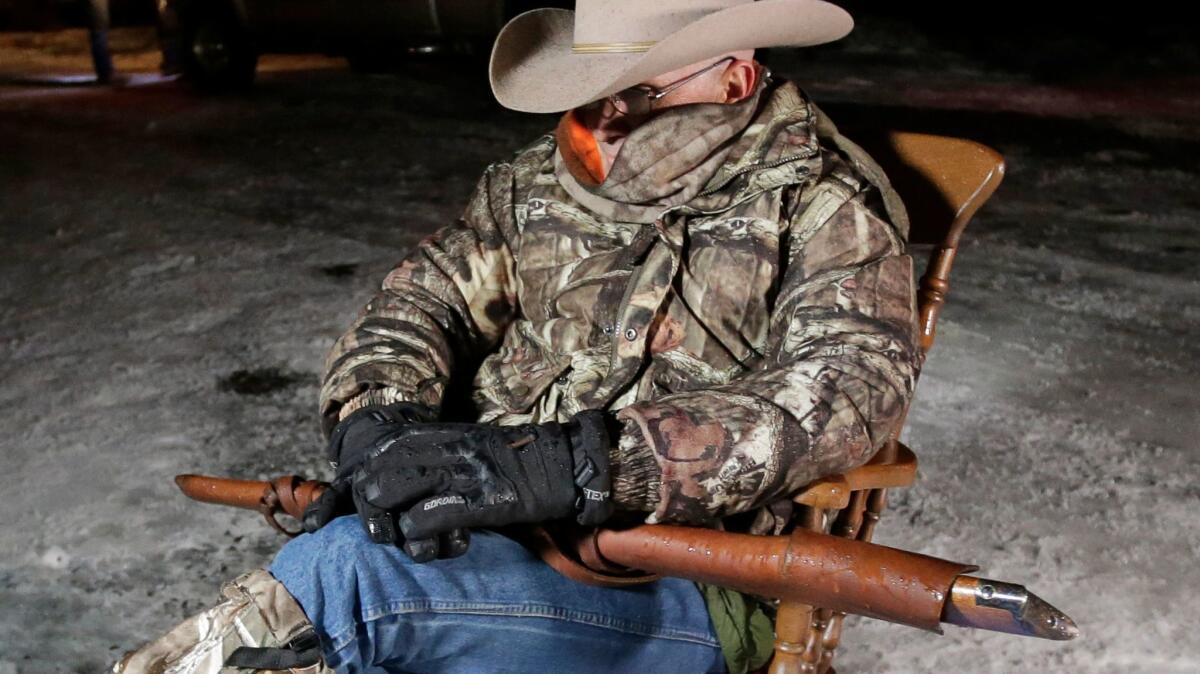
520	371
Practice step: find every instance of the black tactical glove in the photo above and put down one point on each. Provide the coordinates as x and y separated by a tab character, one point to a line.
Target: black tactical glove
441	477
367	428
364	432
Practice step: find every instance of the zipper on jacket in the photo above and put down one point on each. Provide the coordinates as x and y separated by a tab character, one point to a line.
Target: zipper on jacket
755	167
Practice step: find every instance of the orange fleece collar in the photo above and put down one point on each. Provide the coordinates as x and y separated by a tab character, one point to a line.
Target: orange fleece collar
579	149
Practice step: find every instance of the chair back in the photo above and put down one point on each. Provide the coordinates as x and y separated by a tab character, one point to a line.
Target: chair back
943	181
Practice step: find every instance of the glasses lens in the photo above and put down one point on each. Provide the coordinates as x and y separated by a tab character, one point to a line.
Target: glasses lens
632	101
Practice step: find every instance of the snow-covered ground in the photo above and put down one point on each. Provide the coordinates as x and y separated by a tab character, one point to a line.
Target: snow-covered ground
174	269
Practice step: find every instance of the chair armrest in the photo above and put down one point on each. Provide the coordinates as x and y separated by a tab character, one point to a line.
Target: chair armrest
833	492
829	493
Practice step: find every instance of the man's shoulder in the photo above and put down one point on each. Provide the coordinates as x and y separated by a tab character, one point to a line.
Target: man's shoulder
509	178
849	169
529	158
848	186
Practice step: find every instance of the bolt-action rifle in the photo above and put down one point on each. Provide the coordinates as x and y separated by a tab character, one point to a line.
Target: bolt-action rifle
835	573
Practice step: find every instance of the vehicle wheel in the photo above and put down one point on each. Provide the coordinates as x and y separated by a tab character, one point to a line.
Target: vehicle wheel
217	54
375	61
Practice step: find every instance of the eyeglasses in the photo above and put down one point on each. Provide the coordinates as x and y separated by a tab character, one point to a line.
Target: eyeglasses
636	100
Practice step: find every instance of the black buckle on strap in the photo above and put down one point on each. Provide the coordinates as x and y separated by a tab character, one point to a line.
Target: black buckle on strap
299	653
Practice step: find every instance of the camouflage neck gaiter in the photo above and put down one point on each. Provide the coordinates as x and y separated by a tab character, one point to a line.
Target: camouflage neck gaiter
666	161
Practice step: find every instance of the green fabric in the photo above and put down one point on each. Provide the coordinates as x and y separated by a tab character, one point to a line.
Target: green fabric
745	632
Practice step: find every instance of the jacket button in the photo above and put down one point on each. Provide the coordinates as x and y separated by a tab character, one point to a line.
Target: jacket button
608	329
630	334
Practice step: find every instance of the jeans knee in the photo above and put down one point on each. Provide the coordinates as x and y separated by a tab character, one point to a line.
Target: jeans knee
330	551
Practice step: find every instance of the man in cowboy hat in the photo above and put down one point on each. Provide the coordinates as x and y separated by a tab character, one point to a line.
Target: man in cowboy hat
691	298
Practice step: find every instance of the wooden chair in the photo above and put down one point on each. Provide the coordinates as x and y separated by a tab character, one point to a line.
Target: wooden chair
943	182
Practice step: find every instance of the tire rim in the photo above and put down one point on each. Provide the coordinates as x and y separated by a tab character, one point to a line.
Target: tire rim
211	48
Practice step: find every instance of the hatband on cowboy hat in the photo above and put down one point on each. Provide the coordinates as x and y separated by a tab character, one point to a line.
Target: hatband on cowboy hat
552	60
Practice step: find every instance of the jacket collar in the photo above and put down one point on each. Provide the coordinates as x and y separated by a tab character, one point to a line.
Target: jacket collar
691	155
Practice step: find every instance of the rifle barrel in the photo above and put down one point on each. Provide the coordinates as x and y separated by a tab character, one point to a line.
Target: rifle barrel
1005	607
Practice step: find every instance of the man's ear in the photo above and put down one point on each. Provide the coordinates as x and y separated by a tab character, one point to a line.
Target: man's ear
739	80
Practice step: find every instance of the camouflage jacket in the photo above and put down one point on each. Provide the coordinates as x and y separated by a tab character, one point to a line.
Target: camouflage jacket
737	289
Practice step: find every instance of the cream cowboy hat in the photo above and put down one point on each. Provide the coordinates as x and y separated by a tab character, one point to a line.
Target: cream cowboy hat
552	60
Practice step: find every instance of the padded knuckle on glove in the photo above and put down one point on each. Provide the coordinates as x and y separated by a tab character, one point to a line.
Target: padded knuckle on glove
454	543
421	549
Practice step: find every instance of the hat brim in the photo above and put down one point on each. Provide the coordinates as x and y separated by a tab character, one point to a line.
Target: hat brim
532	67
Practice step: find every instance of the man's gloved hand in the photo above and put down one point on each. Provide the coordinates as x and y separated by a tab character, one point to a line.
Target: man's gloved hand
361	434
439	478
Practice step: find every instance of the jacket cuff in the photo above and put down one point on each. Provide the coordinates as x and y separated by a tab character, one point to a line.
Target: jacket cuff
635	474
376	396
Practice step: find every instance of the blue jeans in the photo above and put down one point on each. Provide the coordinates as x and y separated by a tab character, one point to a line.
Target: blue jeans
497	608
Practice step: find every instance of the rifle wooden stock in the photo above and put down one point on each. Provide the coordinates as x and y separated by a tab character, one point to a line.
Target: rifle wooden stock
835	573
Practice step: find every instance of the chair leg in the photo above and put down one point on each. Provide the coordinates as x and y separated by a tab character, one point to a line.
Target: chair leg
857	520
807	637
877	498
814	651
792	624
828	624
876	502
796	651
